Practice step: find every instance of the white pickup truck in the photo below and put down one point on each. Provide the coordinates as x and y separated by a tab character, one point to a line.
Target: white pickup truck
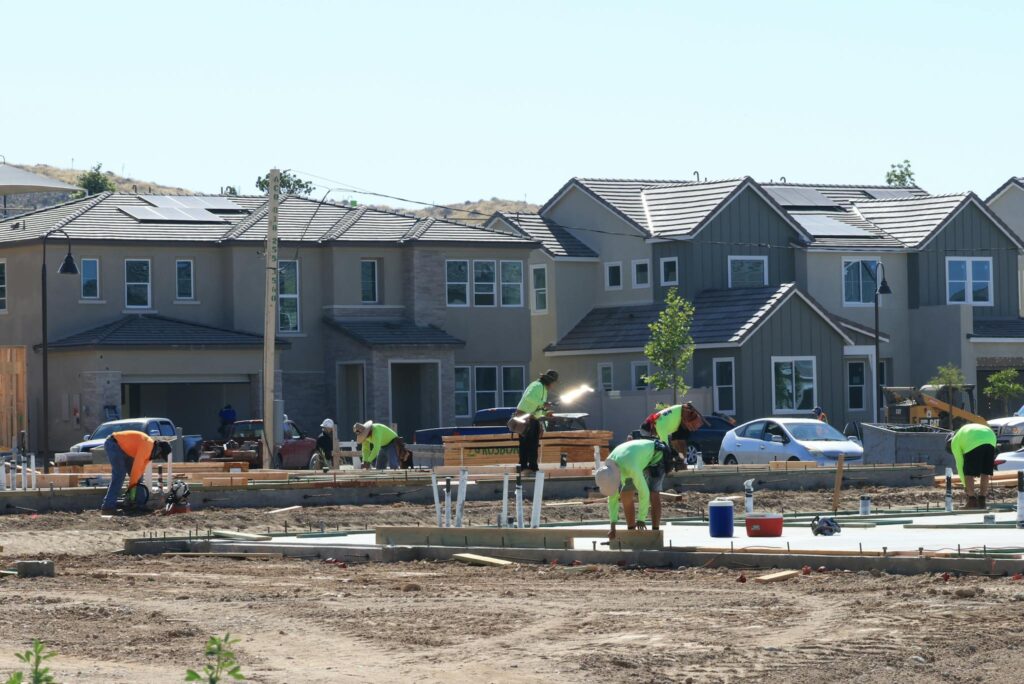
151	426
1009	431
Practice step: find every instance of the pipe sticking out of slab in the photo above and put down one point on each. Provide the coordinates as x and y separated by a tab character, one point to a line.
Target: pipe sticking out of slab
437	503
463	477
538	499
503	519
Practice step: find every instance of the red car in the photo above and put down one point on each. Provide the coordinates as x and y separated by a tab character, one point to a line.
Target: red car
295	453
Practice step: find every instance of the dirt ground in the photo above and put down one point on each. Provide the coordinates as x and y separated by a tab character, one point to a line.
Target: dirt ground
115	618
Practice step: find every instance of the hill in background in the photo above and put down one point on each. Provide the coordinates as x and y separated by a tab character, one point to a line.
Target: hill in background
466	212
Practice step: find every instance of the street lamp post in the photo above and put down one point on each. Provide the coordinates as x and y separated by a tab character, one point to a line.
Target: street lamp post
882	288
67	267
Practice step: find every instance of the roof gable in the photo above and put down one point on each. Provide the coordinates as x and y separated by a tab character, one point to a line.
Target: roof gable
557	240
150	330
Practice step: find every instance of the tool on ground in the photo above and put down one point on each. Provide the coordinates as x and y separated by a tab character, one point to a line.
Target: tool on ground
825	526
949	490
135	498
748	496
177	498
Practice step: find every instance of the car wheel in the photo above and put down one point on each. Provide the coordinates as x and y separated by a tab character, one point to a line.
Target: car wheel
692	454
730	460
317	461
792	458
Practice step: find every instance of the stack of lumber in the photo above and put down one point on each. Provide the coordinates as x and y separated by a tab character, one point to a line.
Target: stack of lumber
226	471
1005	479
577	445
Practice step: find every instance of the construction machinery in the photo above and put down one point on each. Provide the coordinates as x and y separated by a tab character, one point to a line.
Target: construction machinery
944	406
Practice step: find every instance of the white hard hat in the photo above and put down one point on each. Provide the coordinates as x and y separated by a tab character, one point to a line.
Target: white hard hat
608	478
328	424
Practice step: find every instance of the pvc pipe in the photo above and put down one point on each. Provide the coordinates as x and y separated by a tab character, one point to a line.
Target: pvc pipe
538	499
463	476
597	457
503	516
148	477
3	475
437	503
519	502
24	475
448	502
949	490
170	474
32	466
748	496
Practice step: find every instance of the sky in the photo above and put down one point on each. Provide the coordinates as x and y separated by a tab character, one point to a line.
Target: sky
446	101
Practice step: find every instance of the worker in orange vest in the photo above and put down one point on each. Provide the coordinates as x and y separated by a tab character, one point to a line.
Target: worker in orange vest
820	414
129	450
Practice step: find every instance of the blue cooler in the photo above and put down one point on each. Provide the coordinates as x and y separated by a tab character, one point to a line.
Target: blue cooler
720	515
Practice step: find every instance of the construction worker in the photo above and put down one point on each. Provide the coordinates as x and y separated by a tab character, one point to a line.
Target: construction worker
674	426
130	450
533	406
227	416
974	449
380	449
325	441
632	467
820	414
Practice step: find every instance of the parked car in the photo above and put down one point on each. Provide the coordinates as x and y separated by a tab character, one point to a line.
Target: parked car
1009	461
296	452
151	426
706	442
787	439
493	421
1009	431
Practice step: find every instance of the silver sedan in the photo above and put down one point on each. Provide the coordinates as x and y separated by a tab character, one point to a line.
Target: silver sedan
787	439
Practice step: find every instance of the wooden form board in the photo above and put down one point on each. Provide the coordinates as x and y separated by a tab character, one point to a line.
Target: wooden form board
496	537
201	467
577	446
604	435
777	576
13	407
474	559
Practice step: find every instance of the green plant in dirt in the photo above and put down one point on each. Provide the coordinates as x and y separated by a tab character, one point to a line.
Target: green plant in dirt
900	175
1003	386
670	347
34	658
95	181
224	664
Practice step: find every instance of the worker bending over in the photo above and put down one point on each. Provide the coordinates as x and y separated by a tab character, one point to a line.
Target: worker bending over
129	449
674	426
379	445
974	449
633	465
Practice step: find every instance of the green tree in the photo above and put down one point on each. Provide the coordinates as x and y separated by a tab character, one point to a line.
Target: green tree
290	184
94	181
900	175
670	347
34	658
1003	386
231	191
223	665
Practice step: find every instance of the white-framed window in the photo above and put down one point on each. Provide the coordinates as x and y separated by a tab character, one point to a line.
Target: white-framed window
463	381
513	383
859	281
724	370
485	391
184	279
137	286
638	370
856	385
511	273
483	283
3	285
748	271
605	377
90	279
457	282
368	281
641	273
613	275
969	280
288	316
539	278
794	384
670	271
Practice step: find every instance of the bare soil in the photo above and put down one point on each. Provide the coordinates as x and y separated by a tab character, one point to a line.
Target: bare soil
115	618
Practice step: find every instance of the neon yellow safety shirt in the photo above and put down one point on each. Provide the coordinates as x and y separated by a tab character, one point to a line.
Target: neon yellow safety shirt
380	436
968	438
633	458
533	399
668	421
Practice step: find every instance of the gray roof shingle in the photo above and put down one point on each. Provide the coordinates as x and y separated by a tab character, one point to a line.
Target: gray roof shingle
396	333
610	327
911	220
555	239
681	209
150	330
1010	328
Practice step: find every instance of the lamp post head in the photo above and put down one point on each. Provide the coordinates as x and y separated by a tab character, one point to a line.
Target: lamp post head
68	266
883	287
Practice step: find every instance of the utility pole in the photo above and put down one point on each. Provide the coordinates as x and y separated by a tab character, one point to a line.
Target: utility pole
270	322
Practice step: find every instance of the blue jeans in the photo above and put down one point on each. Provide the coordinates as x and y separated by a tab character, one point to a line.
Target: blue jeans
118	471
387	457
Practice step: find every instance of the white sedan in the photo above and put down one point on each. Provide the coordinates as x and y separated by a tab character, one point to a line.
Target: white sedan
787	439
1009	461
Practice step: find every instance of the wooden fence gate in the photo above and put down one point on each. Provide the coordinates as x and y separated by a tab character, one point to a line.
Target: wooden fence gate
13	409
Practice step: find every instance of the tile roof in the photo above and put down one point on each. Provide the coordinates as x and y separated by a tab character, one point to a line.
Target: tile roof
149	330
399	333
912	220
998	327
863	233
610	327
843	195
681	209
555	239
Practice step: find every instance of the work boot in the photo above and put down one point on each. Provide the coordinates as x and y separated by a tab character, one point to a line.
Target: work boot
981	502
970	504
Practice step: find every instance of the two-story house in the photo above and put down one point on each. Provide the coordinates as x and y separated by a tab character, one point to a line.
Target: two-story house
380	315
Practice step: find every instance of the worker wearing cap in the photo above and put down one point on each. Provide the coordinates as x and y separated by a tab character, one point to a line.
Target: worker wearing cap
325	440
627	469
974	449
820	414
533	406
380	449
129	449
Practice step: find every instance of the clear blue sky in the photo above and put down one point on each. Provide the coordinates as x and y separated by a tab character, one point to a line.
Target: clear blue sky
448	101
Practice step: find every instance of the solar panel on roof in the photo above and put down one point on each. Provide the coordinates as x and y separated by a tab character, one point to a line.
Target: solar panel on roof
821	225
192	202
890	193
790	196
171	215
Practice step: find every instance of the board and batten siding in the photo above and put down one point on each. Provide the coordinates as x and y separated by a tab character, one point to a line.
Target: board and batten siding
794	330
969	234
747	226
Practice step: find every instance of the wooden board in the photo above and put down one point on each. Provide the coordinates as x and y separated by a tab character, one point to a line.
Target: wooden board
496	537
777	576
792	465
13	407
242	536
566	435
474	559
241	555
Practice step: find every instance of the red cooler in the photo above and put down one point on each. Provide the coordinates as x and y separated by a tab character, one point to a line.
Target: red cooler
764	524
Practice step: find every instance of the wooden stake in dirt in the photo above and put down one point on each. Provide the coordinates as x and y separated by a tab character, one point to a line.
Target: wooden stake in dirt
839	484
777	576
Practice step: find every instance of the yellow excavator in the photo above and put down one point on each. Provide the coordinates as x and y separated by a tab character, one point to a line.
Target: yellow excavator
945	406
